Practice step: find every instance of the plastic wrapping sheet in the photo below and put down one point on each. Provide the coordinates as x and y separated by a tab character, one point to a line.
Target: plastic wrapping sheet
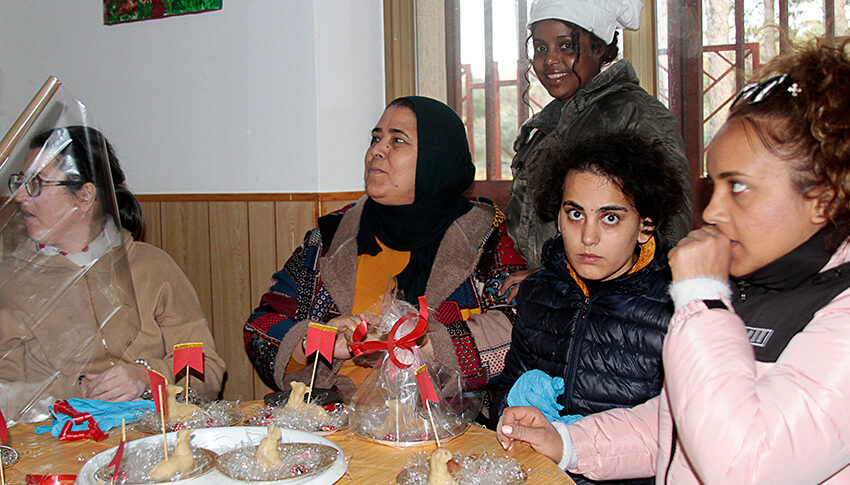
208	415
334	420
66	292
387	407
483	469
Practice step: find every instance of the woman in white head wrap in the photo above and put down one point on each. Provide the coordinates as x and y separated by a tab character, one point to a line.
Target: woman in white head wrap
572	41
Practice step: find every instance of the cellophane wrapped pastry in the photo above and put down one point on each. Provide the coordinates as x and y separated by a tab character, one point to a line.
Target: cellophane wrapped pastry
388	407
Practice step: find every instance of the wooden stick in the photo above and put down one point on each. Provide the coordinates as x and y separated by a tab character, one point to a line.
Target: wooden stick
313	377
123	440
187	383
162	419
2	475
27	118
434	426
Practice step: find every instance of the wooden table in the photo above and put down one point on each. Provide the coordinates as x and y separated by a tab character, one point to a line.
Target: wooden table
368	463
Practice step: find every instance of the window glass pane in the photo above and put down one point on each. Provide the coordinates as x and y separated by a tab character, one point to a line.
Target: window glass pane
805	19
663	68
718	63
509	69
472	79
841	24
506	57
761	39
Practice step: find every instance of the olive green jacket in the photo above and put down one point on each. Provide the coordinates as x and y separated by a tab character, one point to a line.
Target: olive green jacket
612	102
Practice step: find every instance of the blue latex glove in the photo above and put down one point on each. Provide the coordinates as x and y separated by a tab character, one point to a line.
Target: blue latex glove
107	414
539	389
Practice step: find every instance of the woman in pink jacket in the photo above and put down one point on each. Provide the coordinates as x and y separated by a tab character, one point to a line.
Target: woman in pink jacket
757	356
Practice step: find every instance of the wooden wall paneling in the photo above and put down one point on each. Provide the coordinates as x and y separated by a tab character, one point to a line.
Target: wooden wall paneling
186	237
153	223
262	263
231	293
332	205
292	221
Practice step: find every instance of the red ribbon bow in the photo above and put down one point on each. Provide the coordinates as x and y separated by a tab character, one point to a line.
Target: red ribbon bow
93	431
407	342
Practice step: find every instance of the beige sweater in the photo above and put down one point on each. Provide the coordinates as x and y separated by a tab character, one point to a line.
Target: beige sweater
49	312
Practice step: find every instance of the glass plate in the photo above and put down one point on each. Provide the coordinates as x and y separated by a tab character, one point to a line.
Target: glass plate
299	460
204	462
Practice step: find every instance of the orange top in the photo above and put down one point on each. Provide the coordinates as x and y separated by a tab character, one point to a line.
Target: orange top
374	274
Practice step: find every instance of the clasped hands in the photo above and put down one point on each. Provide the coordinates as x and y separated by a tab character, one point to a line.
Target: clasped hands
123	382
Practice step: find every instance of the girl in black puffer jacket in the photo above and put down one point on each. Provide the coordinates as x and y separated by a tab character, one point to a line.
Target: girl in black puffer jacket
596	314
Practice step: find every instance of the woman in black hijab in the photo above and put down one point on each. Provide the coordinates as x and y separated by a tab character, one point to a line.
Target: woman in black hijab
415	226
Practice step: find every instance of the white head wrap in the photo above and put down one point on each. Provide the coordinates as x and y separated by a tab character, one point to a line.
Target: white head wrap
601	17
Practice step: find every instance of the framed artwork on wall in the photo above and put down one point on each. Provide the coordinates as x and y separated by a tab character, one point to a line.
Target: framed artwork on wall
118	11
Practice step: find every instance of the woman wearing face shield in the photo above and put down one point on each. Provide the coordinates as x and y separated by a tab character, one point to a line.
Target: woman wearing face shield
85	310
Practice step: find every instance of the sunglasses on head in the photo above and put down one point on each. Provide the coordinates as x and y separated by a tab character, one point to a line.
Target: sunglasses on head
756	93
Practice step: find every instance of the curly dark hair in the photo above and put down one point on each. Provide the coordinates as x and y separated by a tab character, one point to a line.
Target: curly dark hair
609	54
638	167
812	129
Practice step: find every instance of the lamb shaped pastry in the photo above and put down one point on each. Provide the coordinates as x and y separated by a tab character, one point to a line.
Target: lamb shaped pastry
181	461
296	401
177	411
440	475
399	414
267	455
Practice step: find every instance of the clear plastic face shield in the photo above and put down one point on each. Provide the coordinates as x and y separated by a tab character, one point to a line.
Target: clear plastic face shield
67	303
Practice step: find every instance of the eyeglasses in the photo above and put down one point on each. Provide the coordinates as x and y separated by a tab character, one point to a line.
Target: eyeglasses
756	93
34	184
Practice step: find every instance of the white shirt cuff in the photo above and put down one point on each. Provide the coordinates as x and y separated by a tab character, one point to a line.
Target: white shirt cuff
569	459
702	288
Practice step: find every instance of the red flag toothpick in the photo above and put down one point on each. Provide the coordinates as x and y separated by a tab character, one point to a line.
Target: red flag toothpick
428	393
189	355
426	387
158	391
320	338
116	462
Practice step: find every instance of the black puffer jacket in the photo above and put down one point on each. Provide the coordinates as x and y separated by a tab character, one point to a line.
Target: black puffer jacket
606	346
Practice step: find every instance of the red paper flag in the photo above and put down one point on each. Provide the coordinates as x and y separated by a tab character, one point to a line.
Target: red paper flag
426	387
158	381
4	432
320	338
116	461
190	354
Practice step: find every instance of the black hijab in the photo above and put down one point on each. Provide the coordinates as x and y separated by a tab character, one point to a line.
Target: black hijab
444	171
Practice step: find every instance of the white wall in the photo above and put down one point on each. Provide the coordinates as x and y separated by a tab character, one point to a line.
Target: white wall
261	96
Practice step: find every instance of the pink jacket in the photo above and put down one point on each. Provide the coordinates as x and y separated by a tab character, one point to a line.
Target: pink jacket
737	420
